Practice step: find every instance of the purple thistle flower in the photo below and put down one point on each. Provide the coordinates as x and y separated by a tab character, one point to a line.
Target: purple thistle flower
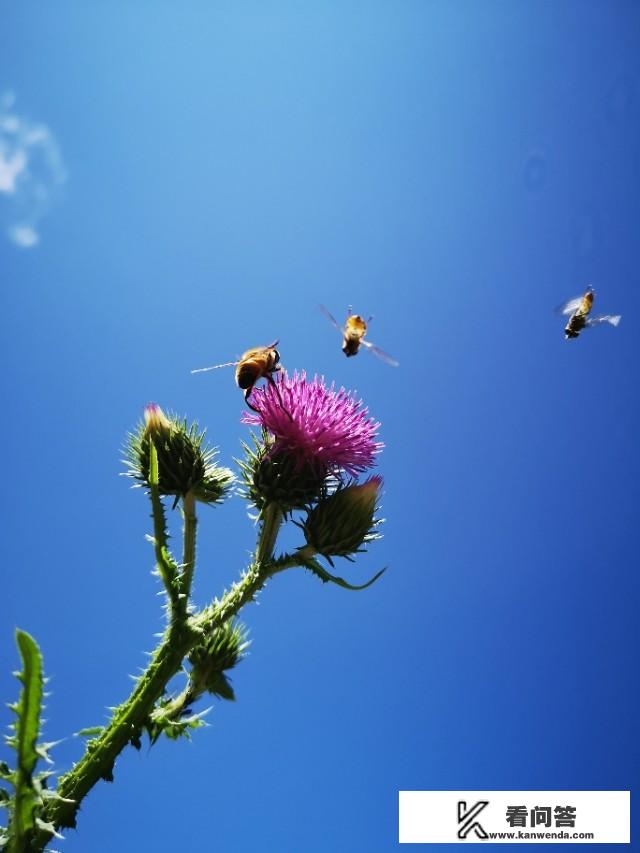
319	425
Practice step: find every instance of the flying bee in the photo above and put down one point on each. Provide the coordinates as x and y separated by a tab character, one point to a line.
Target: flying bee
353	332
254	364
579	310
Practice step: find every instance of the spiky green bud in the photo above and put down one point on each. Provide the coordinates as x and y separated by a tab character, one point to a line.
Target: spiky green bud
220	652
280	478
345	521
185	463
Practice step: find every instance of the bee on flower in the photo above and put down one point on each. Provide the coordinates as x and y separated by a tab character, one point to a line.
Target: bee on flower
323	425
255	364
310	461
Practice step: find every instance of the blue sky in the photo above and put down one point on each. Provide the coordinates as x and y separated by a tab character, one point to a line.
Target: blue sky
208	175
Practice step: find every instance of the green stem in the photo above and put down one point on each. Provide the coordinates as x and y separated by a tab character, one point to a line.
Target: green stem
129	718
127	722
271	520
251	582
174	709
167	567
189	546
290	561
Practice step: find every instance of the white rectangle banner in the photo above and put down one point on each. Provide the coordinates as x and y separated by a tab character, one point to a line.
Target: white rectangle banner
511	817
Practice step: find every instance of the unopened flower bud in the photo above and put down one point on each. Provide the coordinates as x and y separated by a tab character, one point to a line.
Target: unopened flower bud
219	653
281	477
185	464
343	522
156	422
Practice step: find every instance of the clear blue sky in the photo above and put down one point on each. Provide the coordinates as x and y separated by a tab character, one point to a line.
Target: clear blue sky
455	169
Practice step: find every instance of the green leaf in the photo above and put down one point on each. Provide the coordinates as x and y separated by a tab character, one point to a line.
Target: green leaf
326	577
26	798
223	688
175	729
91	731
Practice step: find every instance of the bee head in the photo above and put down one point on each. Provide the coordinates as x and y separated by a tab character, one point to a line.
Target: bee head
276	356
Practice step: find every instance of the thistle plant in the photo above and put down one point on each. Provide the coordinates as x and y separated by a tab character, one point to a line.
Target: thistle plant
301	466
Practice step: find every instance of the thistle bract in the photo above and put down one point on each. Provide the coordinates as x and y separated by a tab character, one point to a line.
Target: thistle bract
280	478
219	653
185	463
316	424
345	521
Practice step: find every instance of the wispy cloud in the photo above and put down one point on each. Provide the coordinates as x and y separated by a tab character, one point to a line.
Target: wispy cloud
31	174
23	235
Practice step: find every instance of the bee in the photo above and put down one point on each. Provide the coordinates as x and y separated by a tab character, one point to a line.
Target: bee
579	310
353	332
255	364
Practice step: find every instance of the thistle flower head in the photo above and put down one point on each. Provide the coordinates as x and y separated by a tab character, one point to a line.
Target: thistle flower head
345	521
317	424
185	463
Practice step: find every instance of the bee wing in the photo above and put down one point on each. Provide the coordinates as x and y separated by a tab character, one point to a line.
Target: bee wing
330	317
570	306
613	319
215	367
380	353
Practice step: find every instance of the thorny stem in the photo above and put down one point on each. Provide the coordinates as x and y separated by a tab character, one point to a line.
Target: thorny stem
129	718
271	521
183	700
166	566
189	546
251	581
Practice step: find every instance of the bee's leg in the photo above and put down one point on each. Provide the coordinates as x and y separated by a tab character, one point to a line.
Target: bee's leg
271	381
246	399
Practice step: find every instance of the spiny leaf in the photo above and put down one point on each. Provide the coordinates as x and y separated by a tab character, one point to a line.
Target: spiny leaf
48	827
90	731
43	750
26	797
54	795
223	688
325	576
175	729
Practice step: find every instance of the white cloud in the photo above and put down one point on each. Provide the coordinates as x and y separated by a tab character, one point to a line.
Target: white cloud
10	124
11	165
23	235
31	173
